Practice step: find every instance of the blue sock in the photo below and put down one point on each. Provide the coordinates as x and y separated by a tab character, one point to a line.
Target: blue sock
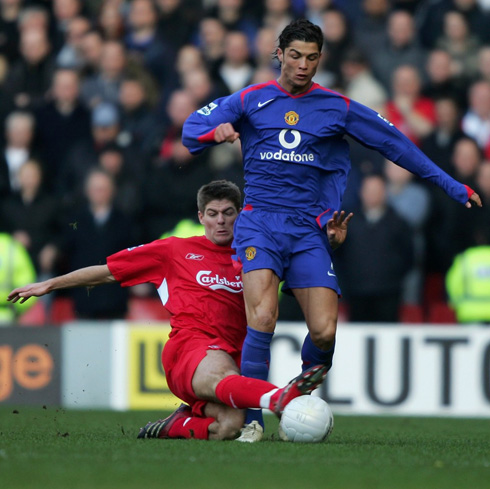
256	356
312	355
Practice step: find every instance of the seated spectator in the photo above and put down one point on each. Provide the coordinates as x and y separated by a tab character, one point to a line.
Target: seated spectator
110	21
177	21
62	123
439	144
277	15
359	83
235	69
32	217
146	48
371	277
104	84
441	81
413	114
189	58
97	230
484	63
211	41
400	47
70	55
64	11
264	46
9	18
29	78
91	46
370	29
461	45
199	84
476	121
17	149
314	10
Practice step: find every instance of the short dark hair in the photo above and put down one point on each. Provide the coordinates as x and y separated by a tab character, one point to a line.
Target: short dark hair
301	30
219	190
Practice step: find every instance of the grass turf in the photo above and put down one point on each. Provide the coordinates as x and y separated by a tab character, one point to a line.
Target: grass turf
54	448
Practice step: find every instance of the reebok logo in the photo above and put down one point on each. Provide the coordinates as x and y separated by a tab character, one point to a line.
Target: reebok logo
193	256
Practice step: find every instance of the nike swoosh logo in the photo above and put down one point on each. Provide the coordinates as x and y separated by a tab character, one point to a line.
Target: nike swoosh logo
330	274
261	104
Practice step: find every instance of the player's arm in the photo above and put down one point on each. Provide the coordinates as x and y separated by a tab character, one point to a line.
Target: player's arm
375	132
83	277
213	124
337	228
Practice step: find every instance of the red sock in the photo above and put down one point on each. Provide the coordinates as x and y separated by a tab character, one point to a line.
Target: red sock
191	427
242	392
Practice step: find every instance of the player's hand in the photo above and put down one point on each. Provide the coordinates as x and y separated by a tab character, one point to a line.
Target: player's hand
337	228
225	133
474	200
31	290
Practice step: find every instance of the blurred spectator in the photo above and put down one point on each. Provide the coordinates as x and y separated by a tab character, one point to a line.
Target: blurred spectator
30	76
468	285
35	18
410	200
370	29
17	149
476	121
481	229
461	45
412	113
264	48
431	19
337	42
176	22
9	32
104	85
32	217
139	122
400	47
441	82
175	176
315	8
199	84
96	230
70	54
91	46
62	123
371	276
359	83
439	144
277	15
16	269
189	58
110	21
235	71
145	46
484	63
64	11
233	17
211	40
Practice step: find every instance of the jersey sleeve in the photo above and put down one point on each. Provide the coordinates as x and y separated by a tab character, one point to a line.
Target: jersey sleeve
199	128
148	263
375	132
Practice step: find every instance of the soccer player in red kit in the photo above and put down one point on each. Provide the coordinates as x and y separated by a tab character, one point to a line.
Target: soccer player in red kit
200	284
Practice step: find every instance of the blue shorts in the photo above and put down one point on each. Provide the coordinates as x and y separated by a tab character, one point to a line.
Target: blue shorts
290	244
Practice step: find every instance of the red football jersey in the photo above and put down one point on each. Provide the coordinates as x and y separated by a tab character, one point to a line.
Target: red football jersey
198	282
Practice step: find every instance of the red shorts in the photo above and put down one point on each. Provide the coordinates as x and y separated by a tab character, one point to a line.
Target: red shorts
181	355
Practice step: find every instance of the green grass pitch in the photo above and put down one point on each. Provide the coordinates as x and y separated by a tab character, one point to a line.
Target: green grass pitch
56	448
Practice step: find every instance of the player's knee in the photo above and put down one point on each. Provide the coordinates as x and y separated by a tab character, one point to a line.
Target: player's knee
264	319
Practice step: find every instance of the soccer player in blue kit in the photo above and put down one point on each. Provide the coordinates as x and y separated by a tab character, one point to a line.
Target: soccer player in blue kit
296	163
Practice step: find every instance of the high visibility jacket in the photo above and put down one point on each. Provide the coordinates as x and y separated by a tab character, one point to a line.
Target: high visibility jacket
185	229
16	269
468	285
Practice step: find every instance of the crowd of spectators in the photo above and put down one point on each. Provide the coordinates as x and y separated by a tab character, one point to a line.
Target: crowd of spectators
93	96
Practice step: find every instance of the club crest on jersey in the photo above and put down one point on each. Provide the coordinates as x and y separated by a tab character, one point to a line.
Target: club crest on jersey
250	253
291	118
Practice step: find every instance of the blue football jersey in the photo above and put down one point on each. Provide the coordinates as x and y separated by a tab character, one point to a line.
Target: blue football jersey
295	156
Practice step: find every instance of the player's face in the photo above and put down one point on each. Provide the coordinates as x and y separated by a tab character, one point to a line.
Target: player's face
218	219
299	62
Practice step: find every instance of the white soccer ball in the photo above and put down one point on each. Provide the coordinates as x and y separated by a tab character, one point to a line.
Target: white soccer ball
306	419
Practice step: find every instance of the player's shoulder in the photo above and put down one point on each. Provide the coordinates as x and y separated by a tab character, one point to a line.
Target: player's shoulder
318	90
257	90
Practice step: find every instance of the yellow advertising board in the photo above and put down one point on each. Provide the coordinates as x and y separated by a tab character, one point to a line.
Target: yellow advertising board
148	388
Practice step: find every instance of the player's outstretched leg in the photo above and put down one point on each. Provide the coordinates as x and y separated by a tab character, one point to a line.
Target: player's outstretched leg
303	384
160	428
